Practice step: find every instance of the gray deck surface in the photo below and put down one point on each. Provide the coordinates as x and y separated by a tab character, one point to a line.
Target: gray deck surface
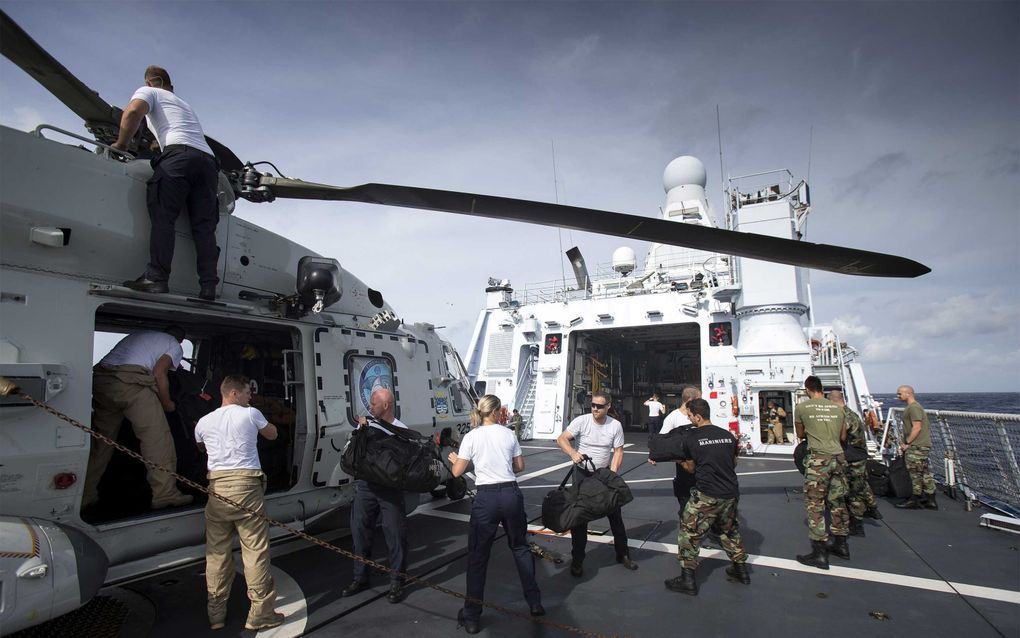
784	598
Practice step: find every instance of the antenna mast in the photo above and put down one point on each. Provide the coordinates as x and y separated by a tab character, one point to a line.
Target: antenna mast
722	172
559	231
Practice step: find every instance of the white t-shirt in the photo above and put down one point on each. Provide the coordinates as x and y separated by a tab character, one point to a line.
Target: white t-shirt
675	419
492	449
654	408
597	441
144	349
171	119
230	434
395	423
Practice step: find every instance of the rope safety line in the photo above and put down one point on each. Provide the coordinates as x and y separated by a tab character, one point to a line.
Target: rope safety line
8	388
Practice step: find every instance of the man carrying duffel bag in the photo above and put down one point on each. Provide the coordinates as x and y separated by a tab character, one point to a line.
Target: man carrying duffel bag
600	437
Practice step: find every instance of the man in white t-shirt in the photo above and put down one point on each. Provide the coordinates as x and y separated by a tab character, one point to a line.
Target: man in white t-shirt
655	411
185	173
131	382
229	437
600	437
372	500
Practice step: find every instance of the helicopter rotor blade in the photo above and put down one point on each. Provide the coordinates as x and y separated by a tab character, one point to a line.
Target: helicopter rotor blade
848	261
101	119
18	47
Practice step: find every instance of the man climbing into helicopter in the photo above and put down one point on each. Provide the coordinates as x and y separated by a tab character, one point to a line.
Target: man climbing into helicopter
185	173
131	381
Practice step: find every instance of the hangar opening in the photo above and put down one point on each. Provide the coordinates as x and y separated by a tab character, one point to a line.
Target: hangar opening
631	364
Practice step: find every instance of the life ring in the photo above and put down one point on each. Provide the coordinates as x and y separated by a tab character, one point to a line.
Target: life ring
733	405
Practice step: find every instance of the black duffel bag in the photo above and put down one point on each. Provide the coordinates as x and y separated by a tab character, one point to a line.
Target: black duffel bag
799	453
668	446
899	479
597	493
878	478
854	454
407	460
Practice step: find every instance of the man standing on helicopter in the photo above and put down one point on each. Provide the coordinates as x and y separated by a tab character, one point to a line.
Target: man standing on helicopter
185	174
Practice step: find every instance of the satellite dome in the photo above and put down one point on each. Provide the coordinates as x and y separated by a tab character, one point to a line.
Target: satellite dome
684	170
624	260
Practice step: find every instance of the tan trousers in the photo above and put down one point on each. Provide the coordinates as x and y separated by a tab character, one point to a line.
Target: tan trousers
222	522
130	391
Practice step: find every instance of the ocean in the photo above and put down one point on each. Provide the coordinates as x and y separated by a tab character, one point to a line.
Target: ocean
1001	402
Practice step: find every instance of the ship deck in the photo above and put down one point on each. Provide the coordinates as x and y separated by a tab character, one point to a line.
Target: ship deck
915	573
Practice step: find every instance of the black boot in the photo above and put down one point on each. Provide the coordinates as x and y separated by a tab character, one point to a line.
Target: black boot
840	547
929	502
912	503
856	526
873	512
819	556
737	572
684	583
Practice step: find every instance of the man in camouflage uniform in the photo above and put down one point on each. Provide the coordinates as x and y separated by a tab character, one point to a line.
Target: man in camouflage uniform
822	422
916	448
711	455
860	499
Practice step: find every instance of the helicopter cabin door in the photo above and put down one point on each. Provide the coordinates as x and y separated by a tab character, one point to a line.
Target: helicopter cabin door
332	424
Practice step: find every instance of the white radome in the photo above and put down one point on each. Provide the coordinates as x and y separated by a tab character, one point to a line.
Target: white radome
624	260
683	171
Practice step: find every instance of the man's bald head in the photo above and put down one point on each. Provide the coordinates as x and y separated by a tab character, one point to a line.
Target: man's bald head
905	393
381	404
836	397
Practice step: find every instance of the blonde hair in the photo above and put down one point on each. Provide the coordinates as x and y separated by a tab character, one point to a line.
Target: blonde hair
487	406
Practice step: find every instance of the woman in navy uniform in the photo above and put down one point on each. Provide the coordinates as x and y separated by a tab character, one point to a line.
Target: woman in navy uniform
497	458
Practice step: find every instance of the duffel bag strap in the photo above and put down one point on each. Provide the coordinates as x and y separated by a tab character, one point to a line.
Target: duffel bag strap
566	478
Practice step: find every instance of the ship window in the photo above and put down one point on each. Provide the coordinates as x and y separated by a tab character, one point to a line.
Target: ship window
720	333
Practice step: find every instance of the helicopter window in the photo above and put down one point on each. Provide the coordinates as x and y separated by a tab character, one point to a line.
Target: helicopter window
366	374
375	297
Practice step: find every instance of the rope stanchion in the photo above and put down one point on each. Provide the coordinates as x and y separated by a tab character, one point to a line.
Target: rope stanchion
9	388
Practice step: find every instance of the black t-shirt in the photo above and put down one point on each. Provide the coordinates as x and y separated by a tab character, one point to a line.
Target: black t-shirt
714	452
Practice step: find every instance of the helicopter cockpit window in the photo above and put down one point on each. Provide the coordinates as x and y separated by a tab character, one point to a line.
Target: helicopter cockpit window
366	374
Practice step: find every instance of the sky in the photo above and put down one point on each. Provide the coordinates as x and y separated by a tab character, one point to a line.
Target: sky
903	116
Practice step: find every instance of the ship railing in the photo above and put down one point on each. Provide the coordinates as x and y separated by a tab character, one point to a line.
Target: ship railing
714	274
975	452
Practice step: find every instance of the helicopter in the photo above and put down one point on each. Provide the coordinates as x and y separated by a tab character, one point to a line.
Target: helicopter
314	338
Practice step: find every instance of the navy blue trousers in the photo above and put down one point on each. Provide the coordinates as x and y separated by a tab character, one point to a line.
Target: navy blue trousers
371	500
492	507
183	177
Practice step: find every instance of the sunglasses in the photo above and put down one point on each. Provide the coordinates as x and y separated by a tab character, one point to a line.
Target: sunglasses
599	406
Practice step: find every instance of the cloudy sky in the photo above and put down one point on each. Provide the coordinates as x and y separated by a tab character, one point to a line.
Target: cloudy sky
908	111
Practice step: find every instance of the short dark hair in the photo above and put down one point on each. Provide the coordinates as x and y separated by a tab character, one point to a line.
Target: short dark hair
152	72
813	384
234	382
699	407
176	332
604	395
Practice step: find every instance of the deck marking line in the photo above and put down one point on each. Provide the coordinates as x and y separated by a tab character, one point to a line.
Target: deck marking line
290	601
668	478
851	573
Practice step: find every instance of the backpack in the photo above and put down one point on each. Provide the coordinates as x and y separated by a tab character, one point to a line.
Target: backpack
403	460
597	493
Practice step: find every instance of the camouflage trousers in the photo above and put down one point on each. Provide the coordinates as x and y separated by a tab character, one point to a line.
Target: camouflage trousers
825	484
699	515
859	496
916	460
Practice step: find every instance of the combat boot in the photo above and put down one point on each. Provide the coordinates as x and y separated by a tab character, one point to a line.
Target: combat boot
856	526
929	502
912	503
819	556
737	572
684	583
840	547
873	513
